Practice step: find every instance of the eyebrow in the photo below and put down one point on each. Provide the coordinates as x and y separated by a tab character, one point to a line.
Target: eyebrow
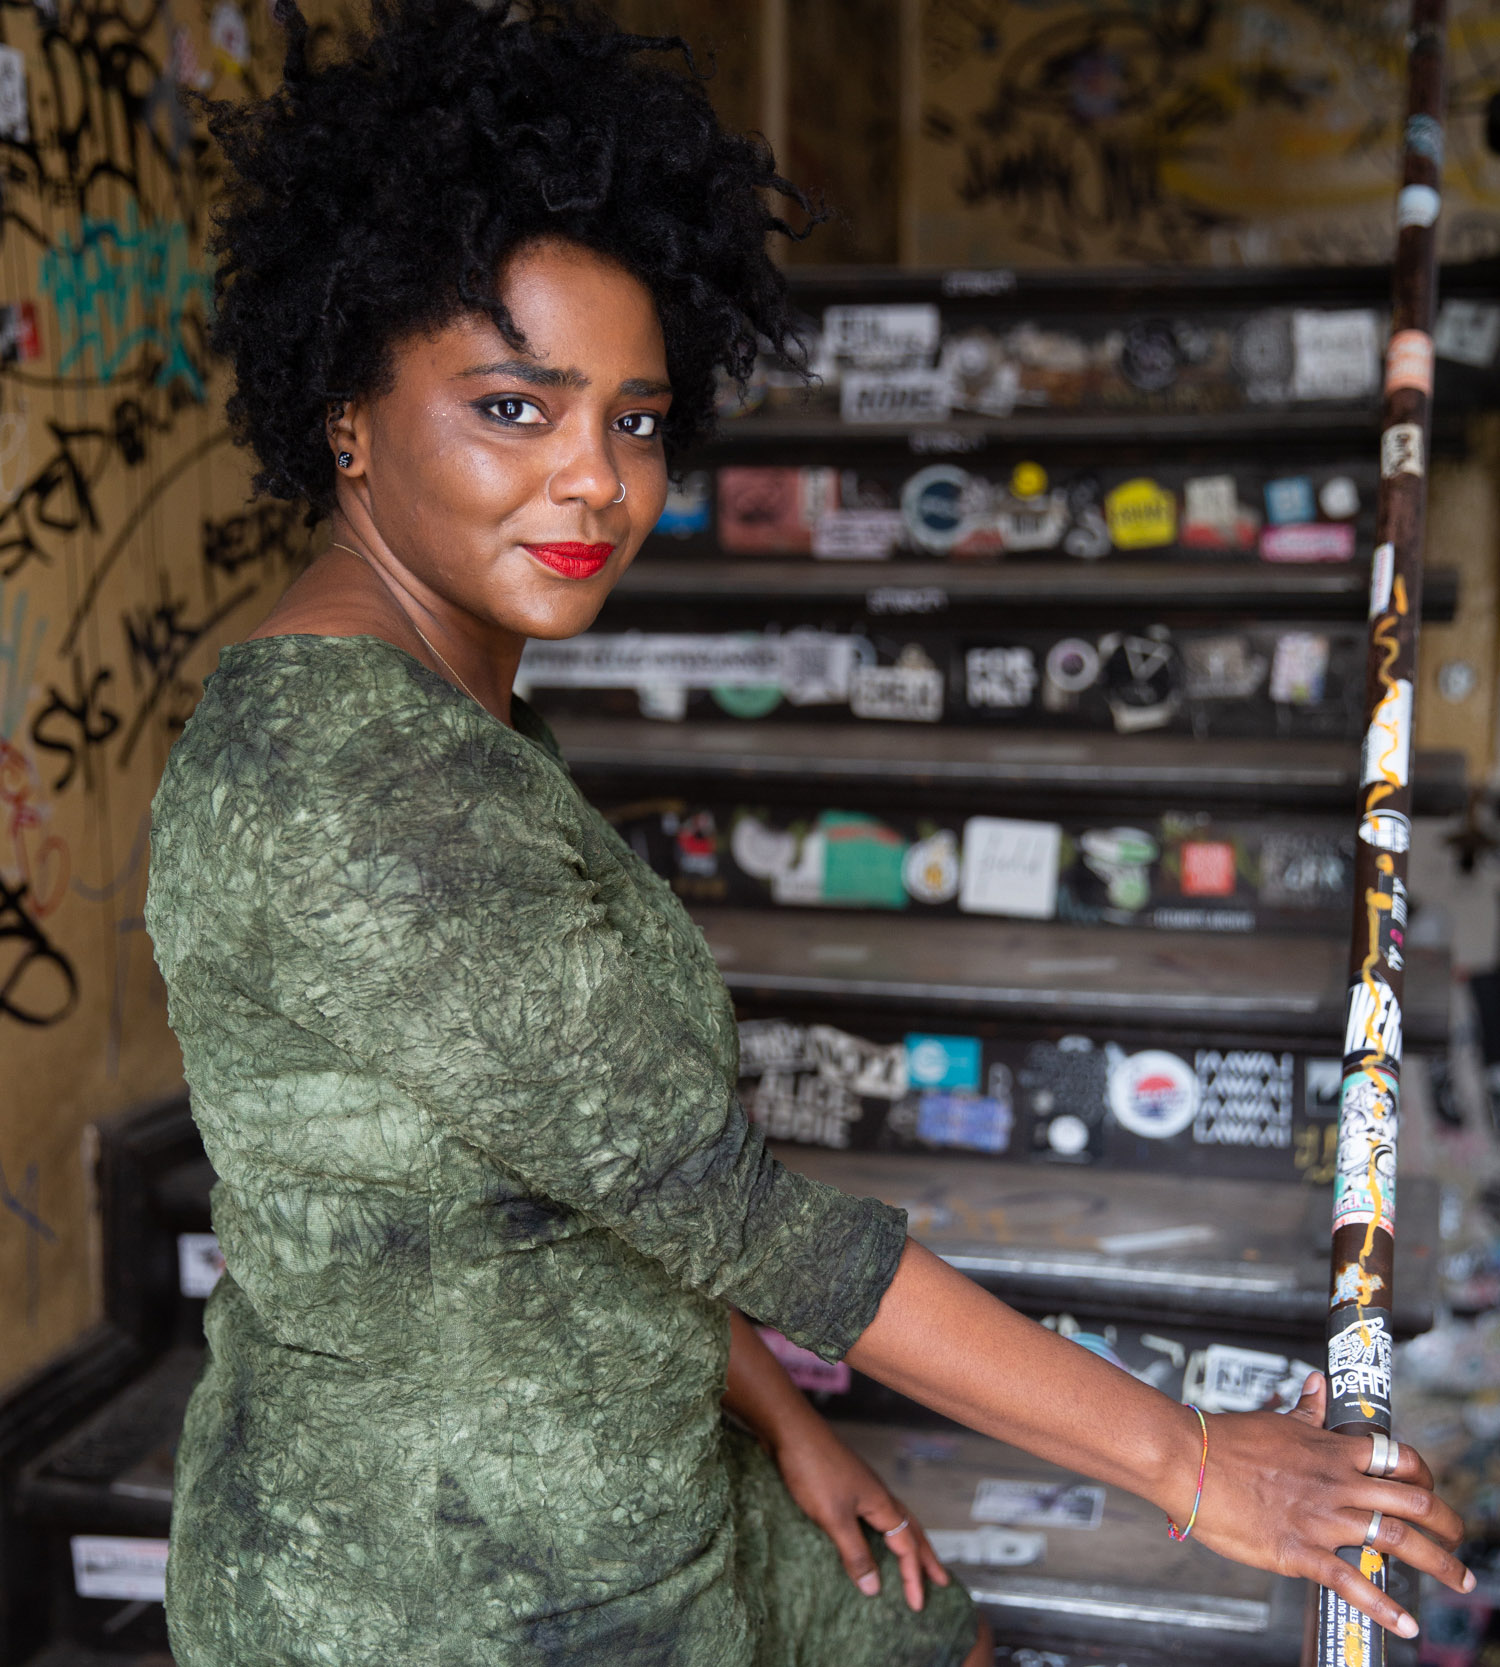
546	376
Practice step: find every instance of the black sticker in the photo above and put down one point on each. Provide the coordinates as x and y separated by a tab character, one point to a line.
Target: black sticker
1359	1366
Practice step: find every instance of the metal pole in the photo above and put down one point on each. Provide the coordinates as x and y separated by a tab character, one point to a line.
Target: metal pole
1364	1201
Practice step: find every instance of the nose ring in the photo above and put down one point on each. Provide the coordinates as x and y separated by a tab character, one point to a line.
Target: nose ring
621	498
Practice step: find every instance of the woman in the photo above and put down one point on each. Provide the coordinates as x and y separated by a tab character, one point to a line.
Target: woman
490	1210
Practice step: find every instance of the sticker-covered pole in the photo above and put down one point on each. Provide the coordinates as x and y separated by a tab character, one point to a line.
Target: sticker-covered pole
1364	1200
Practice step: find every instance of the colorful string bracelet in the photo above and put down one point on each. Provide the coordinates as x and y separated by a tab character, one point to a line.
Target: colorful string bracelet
1172	1528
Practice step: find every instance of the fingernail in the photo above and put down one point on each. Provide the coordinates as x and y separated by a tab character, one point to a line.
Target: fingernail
1469	1581
869	1583
1407	1627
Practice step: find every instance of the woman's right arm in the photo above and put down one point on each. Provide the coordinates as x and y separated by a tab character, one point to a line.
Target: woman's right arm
1280	1492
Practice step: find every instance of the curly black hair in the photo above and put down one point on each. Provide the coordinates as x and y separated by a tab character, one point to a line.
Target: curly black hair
375	197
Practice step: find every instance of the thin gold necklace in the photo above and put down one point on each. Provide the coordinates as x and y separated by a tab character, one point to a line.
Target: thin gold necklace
432	647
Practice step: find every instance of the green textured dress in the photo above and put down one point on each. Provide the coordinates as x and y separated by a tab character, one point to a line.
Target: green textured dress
466	1071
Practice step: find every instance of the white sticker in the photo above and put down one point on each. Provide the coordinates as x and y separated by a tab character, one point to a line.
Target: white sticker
1010	867
815	667
1211	500
1298	668
987	1548
895	396
1382	572
1417	205
1152	1093
117	1566
857	534
931	868
1372	1020
200	1262
1037	525
15	123
1387	749
1072	665
762	852
1003	677
1401	450
1336	354
601	660
907	694
229	32
1223	1378
1035	1504
875	1069
802	883
906	599
885	335
1468	332
1386	830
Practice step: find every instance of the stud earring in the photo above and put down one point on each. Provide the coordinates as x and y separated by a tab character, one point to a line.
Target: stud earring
345	459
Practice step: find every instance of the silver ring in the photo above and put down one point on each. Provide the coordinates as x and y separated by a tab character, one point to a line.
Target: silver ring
1373	1529
886	1533
1380	1453
1392	1459
621	498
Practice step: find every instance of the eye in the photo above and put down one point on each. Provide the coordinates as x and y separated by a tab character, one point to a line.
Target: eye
644	425
518	412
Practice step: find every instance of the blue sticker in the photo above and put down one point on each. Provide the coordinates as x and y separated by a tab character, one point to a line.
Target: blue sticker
1424	135
950	1062
1290	499
981	1125
688	509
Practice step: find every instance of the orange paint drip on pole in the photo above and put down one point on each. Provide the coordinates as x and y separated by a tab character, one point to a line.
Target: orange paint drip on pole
1364	1206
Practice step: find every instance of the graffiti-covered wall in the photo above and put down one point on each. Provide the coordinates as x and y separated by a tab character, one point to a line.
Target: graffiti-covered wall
1221	132
128	552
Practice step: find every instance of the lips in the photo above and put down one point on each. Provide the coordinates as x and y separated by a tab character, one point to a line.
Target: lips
573	561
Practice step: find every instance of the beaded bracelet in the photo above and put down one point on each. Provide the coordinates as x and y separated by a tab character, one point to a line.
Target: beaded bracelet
1172	1528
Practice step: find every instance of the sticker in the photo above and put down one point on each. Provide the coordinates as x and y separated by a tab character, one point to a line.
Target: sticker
1382	572
773	511
1389	900
1372	1024
801	883
1208	868
1245	1098
814	1110
1038	1504
1032	524
862	861
1298	668
1141	679
1336	354
1290	499
772	1045
995	281
1457	680
999	677
15	122
876	1069
1153	1094
1408	362
906	599
1072	666
857	534
1468	332
1338	498
892	335
989	1548
815	666
200	1263
1221	668
930	869
1262	355
1386	830
760	851
1401	451
1213	518
20	340
1225	1378
688	508
1387	747
1345	1633
696	845
1424	137
951	1062
1010	867
229	32
1352	1283
1148	356
959	1120
117	1566
1309	541
895	396
601	660
940	505
1364	1181
1088	537
1302	870
1028	480
668	702
1359	1368
1140	515
905	694
808	1371
1417	205
749	700
1068	1135
1122	858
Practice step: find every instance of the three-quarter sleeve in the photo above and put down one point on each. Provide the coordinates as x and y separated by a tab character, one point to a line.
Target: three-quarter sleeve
430	911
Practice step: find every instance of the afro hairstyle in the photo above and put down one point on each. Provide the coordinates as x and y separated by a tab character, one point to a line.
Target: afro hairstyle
374	197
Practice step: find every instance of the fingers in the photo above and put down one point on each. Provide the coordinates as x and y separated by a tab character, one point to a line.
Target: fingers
1312	1404
906	1547
1338	1576
1411	1467
936	1573
1397	1537
854	1553
1418	1506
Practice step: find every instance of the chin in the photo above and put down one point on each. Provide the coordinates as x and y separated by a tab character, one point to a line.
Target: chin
553	624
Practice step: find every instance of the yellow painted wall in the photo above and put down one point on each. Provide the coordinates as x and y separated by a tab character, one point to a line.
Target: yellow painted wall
127	554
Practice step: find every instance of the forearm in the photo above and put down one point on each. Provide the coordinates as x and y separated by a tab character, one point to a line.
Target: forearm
942	1340
759	1392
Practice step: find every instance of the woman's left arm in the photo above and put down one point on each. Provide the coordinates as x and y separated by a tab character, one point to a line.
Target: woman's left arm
833	1486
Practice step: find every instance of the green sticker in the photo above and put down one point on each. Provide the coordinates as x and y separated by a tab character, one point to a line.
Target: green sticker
750	700
862	862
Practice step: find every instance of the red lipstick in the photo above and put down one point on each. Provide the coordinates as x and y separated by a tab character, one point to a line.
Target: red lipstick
573	561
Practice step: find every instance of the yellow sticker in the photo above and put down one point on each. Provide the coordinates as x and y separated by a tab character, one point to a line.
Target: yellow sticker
1028	480
1141	515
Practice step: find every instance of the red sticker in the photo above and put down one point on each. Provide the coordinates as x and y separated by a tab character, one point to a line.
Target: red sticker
1408	361
1207	868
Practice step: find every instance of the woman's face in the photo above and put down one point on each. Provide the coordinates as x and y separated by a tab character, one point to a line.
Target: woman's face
488	479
